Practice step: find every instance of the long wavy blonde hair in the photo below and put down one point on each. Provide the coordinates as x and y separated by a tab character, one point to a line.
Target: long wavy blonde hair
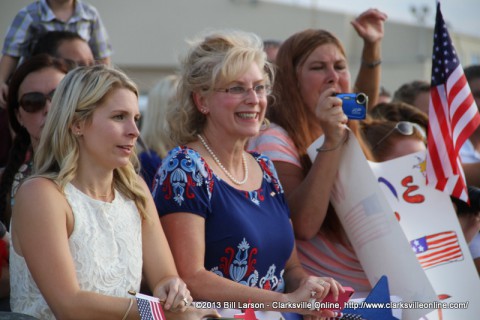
213	60
76	99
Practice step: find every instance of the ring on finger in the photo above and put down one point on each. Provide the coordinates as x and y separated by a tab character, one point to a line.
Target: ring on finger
185	301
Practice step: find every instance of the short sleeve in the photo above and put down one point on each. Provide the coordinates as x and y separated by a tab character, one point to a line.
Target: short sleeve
183	183
275	143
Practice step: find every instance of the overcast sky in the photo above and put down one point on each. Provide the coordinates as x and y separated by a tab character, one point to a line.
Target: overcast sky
461	15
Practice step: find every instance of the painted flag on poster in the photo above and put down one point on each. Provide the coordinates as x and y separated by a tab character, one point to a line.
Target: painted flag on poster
453	115
437	249
149	307
365	221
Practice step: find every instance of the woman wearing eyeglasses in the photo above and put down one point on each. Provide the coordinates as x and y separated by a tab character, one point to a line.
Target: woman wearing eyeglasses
30	93
312	68
222	208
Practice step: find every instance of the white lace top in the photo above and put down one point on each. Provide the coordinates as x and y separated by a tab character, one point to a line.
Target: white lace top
106	247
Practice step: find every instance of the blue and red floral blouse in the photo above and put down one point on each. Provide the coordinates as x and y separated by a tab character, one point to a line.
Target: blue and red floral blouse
248	235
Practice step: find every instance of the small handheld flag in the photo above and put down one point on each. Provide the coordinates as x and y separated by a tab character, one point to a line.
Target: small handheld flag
149	307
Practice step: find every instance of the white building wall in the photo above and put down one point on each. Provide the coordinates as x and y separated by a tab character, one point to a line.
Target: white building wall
148	35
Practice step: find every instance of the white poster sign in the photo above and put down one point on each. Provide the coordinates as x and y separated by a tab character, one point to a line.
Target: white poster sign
430	224
379	242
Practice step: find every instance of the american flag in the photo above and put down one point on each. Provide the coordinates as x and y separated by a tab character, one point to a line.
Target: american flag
437	249
149	307
453	115
365	221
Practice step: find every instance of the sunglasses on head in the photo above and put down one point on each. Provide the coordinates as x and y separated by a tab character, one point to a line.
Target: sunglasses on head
35	101
405	128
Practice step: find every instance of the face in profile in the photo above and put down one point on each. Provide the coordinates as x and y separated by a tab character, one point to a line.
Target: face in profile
110	136
76	50
34	96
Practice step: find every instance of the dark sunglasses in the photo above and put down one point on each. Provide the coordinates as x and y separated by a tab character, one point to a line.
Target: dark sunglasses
405	128
35	101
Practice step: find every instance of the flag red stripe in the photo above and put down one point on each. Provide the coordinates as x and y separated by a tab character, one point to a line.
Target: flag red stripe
448	259
444	126
442	136
453	250
471	126
459	187
452	95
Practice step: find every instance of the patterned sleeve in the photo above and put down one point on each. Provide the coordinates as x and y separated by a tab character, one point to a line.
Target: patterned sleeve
18	35
276	144
183	183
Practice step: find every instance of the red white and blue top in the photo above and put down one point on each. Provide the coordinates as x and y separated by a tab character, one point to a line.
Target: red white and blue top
248	235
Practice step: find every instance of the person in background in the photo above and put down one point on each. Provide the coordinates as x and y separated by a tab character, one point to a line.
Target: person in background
312	68
399	111
384	96
469	216
470	151
392	139
90	213
49	15
474	247
5	138
31	90
222	208
271	49
415	93
66	45
153	145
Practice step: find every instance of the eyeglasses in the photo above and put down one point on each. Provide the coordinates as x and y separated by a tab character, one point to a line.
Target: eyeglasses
405	128
35	101
261	90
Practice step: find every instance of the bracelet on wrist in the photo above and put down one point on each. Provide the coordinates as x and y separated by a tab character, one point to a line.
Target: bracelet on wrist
125	316
372	64
322	149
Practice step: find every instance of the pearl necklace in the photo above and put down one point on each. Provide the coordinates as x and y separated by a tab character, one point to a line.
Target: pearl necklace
229	175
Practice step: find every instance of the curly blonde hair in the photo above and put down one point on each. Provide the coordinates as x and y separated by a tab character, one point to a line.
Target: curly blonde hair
75	100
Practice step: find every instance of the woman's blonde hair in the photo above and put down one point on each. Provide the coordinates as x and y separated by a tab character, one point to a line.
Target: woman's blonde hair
213	60
155	125
76	99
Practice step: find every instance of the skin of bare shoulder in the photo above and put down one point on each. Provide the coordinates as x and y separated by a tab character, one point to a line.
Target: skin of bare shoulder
38	200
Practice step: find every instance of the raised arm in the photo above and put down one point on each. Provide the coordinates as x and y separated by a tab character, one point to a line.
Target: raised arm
370	27
308	195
